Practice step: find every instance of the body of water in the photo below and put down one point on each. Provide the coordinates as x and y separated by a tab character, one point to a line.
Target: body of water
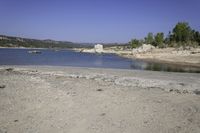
76	59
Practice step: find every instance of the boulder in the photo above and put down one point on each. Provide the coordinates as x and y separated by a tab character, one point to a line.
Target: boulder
2	86
143	49
98	48
147	47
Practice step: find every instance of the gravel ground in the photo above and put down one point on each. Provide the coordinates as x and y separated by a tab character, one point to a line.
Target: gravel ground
44	99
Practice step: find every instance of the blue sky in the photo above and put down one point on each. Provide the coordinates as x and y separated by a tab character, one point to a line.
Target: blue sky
95	20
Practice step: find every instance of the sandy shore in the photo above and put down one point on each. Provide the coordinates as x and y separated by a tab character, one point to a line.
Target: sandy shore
85	100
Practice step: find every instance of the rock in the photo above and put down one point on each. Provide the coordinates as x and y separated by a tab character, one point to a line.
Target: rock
88	50
99	90
98	48
102	114
9	69
147	47
197	92
144	48
2	86
180	49
3	131
16	120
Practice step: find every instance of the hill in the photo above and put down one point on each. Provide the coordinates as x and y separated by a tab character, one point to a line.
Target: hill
9	41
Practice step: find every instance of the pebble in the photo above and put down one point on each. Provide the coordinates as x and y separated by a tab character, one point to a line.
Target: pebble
9	69
99	90
2	86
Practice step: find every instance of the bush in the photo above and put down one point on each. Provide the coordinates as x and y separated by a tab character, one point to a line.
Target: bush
159	40
134	43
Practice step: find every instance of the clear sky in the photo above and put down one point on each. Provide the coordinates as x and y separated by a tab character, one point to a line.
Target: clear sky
94	20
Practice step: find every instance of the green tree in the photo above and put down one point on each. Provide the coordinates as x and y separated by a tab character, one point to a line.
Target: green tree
159	40
168	39
196	36
135	43
149	39
182	32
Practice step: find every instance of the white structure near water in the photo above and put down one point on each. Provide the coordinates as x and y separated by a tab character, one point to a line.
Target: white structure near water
98	48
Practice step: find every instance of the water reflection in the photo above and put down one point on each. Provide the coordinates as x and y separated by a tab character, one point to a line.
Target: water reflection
163	67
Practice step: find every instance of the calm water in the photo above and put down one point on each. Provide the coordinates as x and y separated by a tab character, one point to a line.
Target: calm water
71	58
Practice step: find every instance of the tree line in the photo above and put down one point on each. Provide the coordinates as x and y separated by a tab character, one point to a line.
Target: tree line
181	35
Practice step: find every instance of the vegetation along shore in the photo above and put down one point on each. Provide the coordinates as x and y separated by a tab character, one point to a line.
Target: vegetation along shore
181	46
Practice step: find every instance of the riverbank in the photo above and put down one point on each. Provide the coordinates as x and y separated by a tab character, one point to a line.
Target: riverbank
89	100
166	55
170	56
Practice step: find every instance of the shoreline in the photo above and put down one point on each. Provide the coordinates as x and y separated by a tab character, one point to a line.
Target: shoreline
174	59
88	100
160	61
82	72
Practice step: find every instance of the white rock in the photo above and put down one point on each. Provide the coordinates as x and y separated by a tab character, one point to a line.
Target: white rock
98	48
144	48
89	50
147	47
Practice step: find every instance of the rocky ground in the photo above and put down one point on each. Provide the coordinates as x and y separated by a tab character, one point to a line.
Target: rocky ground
85	100
190	57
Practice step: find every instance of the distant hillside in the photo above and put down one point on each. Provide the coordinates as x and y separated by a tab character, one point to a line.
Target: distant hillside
9	41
